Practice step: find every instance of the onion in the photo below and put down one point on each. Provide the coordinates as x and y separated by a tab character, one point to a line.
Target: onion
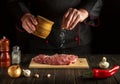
14	71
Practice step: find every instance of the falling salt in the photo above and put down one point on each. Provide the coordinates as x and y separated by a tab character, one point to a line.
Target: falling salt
62	37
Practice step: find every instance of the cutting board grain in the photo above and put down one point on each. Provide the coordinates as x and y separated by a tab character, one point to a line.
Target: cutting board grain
80	63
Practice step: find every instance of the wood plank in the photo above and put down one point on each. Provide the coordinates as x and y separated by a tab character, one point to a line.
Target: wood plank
80	63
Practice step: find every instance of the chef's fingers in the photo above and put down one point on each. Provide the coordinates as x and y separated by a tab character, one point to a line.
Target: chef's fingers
64	18
68	12
33	20
77	20
63	21
28	26
68	18
71	18
76	17
31	26
75	13
28	22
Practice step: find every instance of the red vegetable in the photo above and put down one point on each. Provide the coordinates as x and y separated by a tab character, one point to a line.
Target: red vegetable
101	73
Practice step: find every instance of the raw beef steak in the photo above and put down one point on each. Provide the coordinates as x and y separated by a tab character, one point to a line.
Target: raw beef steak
56	59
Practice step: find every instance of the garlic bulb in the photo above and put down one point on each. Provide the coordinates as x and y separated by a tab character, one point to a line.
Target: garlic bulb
26	72
104	63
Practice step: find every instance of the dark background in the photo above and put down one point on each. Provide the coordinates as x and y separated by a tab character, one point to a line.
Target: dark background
105	37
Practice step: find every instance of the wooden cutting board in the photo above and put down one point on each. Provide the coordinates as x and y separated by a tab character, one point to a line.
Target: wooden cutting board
80	63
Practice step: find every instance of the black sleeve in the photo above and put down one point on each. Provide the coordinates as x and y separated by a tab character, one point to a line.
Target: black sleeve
94	8
17	8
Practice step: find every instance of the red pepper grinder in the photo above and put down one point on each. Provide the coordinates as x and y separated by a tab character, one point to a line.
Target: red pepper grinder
4	49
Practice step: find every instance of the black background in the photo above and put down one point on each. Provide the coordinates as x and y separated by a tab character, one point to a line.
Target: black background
105	37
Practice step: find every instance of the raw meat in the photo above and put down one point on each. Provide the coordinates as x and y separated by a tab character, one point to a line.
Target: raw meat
56	59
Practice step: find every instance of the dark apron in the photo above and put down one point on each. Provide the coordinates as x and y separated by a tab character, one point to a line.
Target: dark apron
54	10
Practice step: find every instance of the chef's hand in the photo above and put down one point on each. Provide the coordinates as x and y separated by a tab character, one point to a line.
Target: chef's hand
72	17
29	22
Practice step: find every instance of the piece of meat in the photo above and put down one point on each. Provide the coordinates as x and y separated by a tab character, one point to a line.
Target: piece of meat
56	59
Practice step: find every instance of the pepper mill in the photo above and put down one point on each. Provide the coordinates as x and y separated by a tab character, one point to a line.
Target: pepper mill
4	49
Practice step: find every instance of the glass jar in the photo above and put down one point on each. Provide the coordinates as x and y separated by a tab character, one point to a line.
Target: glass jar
16	55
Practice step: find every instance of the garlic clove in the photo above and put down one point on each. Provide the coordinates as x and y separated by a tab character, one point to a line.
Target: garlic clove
26	72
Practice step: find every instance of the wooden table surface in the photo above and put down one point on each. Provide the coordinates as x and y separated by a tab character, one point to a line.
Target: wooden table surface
62	76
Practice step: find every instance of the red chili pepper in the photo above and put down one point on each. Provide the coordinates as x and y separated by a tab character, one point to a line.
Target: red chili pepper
101	73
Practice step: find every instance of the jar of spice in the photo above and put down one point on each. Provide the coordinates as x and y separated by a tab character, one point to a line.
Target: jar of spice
16	55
